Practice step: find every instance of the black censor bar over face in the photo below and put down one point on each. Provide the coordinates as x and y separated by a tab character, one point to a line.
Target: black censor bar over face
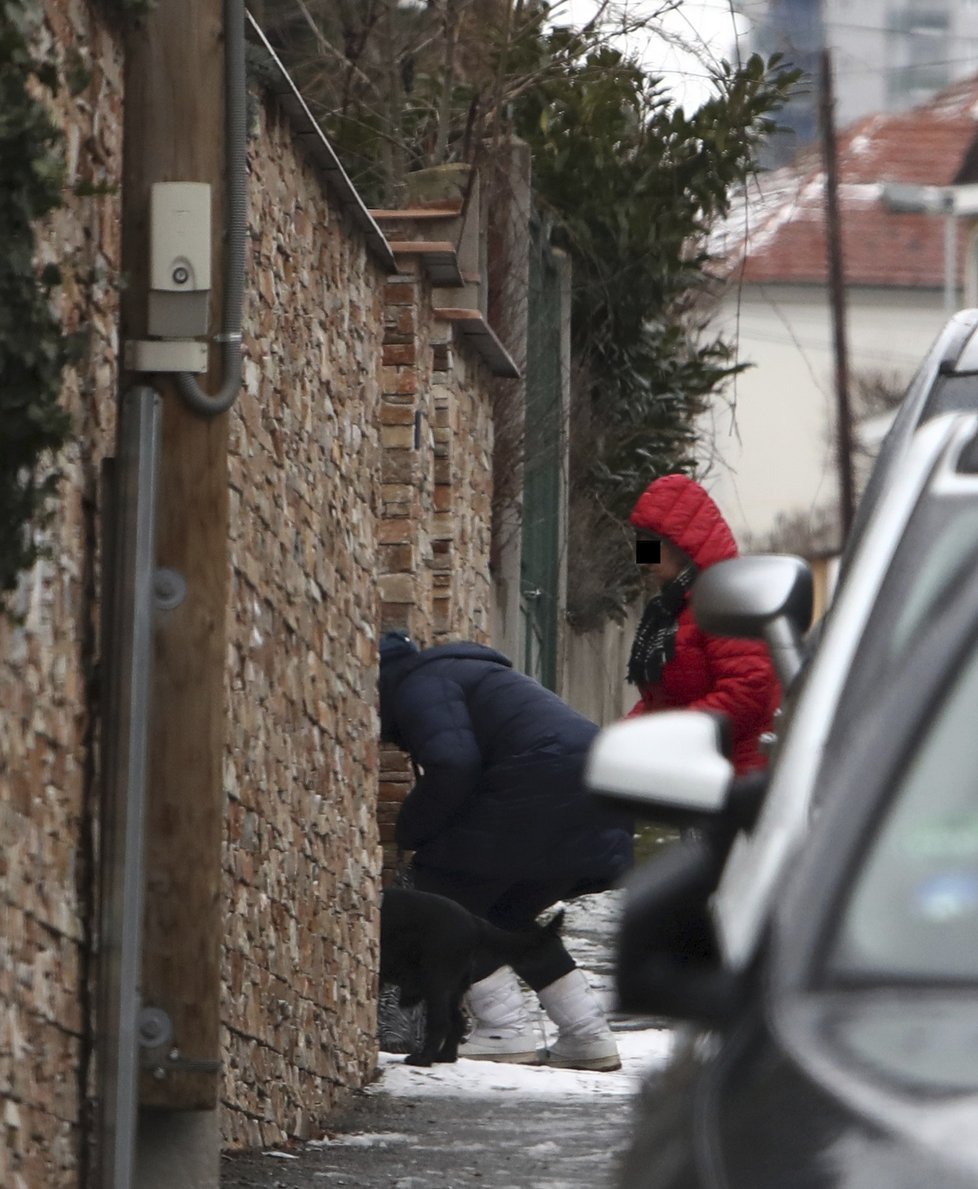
648	553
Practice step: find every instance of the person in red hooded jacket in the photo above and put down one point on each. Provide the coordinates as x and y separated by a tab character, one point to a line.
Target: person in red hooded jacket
673	662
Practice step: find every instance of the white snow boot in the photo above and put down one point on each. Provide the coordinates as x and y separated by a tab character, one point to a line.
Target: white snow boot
502	1030
584	1040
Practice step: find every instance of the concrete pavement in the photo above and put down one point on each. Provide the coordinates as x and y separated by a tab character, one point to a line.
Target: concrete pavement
481	1123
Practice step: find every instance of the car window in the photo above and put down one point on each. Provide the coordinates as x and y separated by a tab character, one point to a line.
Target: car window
946	555
937	549
948	393
912	912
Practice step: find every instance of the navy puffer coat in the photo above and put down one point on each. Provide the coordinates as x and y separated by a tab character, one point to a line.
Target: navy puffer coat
501	795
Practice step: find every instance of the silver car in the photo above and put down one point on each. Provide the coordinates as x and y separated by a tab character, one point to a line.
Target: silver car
838	978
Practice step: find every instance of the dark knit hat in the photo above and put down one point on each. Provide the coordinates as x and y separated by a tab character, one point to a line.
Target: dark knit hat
396	644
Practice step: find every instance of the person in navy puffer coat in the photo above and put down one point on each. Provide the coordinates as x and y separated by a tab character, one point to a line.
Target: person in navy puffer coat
499	821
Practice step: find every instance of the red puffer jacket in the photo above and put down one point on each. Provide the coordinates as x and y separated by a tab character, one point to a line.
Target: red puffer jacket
707	672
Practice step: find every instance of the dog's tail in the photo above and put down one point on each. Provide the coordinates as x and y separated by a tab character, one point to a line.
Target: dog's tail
507	944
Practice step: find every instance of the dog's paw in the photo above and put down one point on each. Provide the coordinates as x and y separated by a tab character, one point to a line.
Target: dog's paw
417	1059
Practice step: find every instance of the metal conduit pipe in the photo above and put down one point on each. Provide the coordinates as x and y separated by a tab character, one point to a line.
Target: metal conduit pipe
237	211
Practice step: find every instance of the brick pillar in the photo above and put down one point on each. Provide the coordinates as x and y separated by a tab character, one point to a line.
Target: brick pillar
436	492
407	465
404	547
441	520
460	520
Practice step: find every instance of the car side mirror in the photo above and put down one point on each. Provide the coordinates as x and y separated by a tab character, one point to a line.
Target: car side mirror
662	765
767	597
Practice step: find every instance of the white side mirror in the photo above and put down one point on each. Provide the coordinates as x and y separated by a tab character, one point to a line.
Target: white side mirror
767	596
673	759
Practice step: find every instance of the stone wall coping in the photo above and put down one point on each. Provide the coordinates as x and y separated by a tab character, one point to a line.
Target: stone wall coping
314	140
439	258
447	210
473	326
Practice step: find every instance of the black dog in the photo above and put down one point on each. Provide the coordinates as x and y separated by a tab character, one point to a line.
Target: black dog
428	948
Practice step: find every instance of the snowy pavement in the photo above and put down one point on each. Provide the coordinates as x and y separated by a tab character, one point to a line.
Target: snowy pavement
483	1122
485	1079
588	933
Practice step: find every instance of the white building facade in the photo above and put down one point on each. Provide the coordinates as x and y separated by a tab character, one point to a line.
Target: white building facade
769	452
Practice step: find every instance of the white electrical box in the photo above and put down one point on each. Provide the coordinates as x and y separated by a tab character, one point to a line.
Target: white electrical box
180	259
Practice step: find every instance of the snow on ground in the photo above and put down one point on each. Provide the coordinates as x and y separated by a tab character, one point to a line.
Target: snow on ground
589	931
485	1079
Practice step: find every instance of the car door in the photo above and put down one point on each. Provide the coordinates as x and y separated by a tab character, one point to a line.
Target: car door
749	885
872	982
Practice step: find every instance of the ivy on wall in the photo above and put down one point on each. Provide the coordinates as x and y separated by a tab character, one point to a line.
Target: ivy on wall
33	347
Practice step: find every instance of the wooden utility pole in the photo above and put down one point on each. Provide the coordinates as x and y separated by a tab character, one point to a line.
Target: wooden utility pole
175	131
837	299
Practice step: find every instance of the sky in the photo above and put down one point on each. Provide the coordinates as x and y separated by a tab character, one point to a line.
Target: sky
706	28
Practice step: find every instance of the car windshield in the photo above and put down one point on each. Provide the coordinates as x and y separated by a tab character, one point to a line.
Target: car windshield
912	911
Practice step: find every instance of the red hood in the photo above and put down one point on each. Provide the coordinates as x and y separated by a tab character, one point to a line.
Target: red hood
678	508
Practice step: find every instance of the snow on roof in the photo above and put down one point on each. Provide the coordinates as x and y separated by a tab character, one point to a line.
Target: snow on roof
776	232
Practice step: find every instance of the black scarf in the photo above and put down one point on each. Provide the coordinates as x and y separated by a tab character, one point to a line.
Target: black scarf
655	640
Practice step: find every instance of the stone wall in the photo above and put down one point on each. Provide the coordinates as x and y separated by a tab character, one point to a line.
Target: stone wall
301	856
47	669
593	668
340	525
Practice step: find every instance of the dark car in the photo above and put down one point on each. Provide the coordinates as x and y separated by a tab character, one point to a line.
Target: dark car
820	935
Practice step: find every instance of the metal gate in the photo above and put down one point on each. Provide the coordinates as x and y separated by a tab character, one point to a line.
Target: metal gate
540	557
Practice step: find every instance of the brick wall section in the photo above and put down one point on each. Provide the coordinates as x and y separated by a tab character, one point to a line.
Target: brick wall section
404	576
302	861
436	496
47	669
461	519
405	556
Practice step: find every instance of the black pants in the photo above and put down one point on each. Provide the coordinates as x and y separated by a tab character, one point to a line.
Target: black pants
509	906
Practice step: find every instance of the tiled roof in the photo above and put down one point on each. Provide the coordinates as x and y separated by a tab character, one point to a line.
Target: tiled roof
934	144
